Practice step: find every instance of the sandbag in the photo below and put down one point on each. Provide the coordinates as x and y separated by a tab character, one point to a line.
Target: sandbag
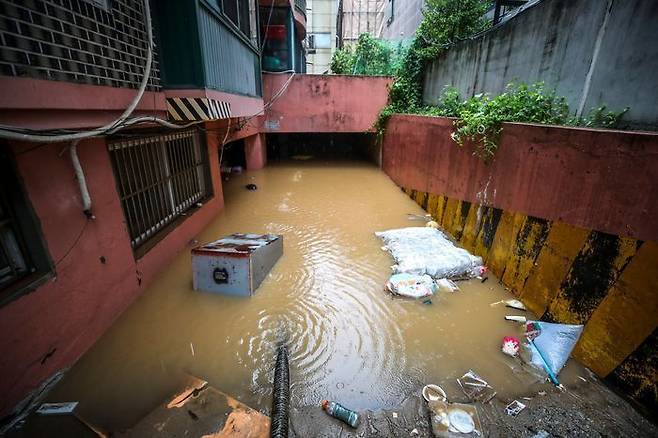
423	250
553	344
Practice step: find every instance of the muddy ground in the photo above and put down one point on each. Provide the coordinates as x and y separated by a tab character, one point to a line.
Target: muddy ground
587	409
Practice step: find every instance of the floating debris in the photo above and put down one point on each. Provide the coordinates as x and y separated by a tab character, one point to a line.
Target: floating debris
516	318
475	387
513	409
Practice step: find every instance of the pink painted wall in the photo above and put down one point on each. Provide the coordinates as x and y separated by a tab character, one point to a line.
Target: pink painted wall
596	179
71	311
51	104
255	150
324	103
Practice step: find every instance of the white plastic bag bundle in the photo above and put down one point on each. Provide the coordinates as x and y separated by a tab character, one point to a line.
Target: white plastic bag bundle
446	285
423	250
553	344
413	286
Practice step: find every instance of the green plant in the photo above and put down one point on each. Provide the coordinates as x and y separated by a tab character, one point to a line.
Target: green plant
369	56
444	22
479	118
342	62
600	118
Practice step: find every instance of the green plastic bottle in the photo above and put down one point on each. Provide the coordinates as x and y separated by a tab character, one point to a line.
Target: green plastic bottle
339	411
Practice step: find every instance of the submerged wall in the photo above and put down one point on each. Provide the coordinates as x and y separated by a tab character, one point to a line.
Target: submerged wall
594	52
565	217
96	274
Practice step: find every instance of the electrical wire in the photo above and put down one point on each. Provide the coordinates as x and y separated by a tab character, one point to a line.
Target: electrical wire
267	25
272	100
22	135
221	154
74	244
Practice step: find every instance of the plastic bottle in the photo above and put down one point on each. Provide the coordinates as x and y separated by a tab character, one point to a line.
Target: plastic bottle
337	410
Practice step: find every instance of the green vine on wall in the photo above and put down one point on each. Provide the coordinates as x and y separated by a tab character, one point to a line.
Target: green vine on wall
479	118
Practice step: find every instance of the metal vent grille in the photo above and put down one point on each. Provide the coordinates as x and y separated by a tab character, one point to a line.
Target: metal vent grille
75	41
158	178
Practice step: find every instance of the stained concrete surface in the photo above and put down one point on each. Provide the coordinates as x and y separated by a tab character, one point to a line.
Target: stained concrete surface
587	409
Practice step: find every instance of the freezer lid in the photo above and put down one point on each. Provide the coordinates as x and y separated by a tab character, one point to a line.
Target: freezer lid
237	244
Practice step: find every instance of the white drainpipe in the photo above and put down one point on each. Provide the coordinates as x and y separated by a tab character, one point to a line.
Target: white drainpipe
82	182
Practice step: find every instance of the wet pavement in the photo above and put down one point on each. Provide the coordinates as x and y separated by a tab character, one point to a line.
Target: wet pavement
586	409
348	339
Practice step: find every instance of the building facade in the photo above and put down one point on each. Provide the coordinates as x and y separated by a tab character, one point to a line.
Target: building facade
401	19
361	16
87	221
321	38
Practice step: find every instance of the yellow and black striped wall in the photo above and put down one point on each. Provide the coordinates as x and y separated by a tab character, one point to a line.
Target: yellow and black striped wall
571	275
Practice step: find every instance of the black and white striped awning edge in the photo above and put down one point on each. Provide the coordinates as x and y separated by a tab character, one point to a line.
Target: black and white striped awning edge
189	109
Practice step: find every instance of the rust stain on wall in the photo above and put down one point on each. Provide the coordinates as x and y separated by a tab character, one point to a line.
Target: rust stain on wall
625	317
552	265
594	270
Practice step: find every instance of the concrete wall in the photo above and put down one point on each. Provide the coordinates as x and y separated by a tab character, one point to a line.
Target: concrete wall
324	103
51	327
594	52
566	218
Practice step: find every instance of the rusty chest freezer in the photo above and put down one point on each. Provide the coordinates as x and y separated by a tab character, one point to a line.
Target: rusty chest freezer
235	264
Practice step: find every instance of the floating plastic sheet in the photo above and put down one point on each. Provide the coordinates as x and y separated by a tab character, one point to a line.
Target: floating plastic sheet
423	250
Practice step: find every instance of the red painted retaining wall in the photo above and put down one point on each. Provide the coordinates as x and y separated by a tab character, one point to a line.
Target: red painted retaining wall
70	312
595	179
324	103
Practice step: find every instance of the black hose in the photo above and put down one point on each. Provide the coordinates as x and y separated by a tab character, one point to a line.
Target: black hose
280	396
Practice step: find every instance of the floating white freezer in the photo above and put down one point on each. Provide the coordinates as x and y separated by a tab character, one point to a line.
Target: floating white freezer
236	264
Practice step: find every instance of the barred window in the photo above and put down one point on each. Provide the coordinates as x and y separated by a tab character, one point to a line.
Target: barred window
159	178
24	261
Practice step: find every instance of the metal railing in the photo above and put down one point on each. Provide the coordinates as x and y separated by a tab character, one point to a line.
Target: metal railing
158	178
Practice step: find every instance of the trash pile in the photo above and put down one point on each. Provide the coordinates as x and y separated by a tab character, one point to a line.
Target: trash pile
426	262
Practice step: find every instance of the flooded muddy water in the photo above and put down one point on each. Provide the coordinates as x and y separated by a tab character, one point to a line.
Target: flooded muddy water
349	340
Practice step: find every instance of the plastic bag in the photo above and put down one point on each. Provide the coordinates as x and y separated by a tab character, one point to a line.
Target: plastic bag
414	286
553	344
447	285
423	250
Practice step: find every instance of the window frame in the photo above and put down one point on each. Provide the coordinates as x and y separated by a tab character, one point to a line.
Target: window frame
252	36
26	227
167	198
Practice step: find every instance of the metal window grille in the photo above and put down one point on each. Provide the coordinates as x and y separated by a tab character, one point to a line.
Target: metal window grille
93	42
159	178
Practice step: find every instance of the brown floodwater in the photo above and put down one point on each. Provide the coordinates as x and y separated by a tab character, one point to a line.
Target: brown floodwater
348	339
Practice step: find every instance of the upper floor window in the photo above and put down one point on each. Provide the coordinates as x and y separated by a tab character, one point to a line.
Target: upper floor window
243	14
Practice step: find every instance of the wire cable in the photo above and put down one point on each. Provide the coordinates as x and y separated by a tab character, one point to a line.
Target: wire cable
74	244
15	134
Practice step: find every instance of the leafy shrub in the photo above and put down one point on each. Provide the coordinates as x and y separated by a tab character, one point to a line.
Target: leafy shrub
369	56
480	118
